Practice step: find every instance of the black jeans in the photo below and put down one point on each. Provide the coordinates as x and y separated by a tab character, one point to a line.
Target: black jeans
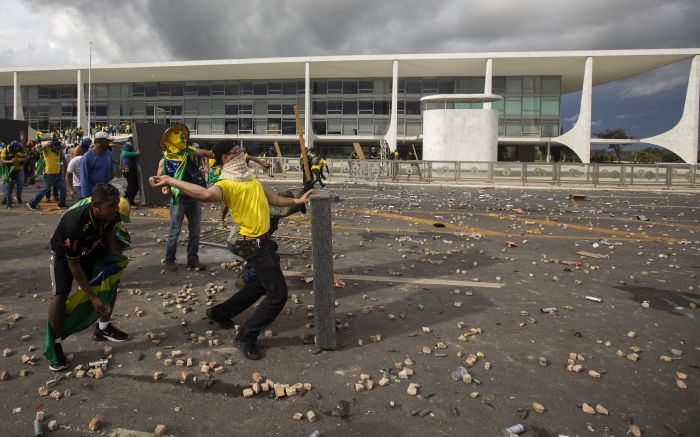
132	184
262	255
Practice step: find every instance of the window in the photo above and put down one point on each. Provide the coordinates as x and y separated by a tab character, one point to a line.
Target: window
381	107
401	86
318	107
101	92
260	107
245	88
190	107
289	87
203	126
531	85
260	88
204	90
139	107
176	90
231	110
245	108
289	127
151	90
218	89
163	90
413	127
349	87
551	85
260	126
274	109
274	125
513	106
349	107
231	88
531	127
412	107
217	125
245	126
463	86
498	105
203	108
288	108
101	110
365	87
175	108
231	127
366	107
550	106
274	88
113	108
430	86
498	84
190	89
317	87
334	126
513	86
382	86
401	107
319	127
446	86
126	90
380	127
550	128
334	106
513	128
335	86
413	87
217	107
365	126
349	126
139	90
125	109
531	106
191	124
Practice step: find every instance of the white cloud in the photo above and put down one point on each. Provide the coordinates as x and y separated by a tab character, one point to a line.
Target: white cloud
651	87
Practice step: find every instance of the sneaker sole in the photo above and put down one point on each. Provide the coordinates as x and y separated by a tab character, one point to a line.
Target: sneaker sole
106	338
57	368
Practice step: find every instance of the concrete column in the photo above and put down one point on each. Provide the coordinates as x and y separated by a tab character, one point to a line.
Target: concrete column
578	138
391	134
81	116
17	110
308	130
322	257
488	80
682	139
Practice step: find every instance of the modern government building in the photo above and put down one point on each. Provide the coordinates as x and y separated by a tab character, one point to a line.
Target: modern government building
461	106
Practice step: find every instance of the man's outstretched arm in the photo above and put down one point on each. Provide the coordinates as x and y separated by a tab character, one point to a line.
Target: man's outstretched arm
211	194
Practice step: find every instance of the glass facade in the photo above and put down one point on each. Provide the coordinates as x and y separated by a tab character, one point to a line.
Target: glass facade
530	105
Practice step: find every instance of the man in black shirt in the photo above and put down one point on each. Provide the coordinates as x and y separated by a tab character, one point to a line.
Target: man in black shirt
83	236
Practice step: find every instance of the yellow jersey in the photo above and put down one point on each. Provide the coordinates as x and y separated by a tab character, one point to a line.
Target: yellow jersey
7	155
52	163
247	203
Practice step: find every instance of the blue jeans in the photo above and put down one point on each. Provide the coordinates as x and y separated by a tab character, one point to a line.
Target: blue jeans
186	207
262	255
51	180
17	180
248	270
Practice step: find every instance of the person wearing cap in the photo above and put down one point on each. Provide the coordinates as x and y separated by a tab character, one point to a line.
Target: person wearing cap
52	153
128	167
96	166
13	157
373	154
249	204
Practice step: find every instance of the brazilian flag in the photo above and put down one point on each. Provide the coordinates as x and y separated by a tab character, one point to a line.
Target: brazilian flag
6	172
80	313
176	166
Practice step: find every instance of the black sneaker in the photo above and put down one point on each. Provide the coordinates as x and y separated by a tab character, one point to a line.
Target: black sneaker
110	333
223	323
60	359
30	206
248	347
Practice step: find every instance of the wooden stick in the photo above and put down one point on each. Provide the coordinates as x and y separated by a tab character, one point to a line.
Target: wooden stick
358	151
302	145
279	157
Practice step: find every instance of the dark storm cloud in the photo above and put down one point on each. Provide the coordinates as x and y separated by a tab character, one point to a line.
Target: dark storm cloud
141	30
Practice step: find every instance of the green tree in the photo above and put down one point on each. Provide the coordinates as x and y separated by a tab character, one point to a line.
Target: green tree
618	134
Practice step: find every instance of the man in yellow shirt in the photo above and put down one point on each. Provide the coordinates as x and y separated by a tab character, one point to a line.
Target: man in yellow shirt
249	203
52	174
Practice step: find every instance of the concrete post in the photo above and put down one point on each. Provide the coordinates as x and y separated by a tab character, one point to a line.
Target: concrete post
17	111
322	257
392	133
82	114
488	80
308	129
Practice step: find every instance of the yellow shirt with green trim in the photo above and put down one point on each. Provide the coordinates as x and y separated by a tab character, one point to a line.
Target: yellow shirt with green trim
248	205
7	155
52	162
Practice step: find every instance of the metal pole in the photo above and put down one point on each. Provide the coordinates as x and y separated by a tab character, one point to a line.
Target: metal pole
322	257
89	131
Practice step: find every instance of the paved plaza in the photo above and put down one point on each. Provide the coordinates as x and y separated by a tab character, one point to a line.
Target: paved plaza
436	278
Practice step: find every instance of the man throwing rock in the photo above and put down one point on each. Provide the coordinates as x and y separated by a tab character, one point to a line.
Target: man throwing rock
249	203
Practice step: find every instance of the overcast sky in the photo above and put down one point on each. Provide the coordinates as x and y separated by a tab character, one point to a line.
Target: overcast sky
46	32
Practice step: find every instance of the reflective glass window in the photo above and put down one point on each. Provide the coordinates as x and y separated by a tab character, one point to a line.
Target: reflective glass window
274	87
365	126
203	107
289	127
318	107
446	86
245	125
231	88
412	107
334	107
349	87
289	87
218	89
317	87
177	90
334	126
260	126
319	127
231	110
245	88
531	106
350	107
260	88
274	125
531	84
151	90
260	107
335	86
365	86
217	106
366	107
550	106
513	106
349	126
513	85
204	90
430	86
551	85
413	86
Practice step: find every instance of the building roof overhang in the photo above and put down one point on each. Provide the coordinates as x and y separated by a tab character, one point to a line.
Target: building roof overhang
608	66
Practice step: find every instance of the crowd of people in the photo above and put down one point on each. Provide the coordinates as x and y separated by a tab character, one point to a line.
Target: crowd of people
87	245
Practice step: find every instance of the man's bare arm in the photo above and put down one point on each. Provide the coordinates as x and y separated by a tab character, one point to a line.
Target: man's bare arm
211	194
275	199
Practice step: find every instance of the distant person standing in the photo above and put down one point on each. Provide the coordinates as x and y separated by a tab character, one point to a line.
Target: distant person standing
96	166
127	163
13	158
73	174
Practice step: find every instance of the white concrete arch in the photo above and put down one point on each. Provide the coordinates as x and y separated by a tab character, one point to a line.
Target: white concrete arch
578	138
682	139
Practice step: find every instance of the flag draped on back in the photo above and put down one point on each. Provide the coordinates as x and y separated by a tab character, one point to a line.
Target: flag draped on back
79	309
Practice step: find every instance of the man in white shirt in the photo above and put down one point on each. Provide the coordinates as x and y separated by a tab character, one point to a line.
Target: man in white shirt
73	174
